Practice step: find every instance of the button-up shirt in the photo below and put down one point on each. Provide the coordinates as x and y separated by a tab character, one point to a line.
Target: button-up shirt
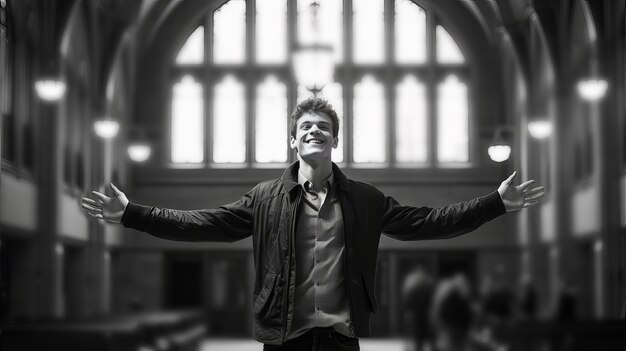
321	294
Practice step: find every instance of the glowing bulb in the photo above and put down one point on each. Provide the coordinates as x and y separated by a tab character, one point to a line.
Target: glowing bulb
50	89
540	129
139	152
592	89
499	153
106	128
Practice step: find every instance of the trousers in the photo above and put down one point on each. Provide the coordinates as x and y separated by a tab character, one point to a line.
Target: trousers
318	339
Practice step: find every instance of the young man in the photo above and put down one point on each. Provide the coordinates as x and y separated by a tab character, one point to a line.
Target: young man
315	236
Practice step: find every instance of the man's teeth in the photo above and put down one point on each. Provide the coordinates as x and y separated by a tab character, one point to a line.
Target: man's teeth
315	141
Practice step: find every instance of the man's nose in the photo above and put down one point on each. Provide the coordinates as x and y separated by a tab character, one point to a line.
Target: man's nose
314	129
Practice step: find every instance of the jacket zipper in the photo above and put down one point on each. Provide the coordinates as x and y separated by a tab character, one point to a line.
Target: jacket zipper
290	254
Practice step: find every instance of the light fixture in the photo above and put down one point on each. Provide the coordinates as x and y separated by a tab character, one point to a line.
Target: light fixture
499	153
540	129
106	128
139	152
50	89
139	148
499	150
49	85
592	89
314	62
314	66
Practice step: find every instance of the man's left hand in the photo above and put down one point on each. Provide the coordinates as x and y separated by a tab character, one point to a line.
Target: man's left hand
516	197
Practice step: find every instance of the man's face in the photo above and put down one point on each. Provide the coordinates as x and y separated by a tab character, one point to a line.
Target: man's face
314	136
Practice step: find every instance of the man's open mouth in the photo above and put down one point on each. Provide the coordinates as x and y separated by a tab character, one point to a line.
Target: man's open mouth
315	141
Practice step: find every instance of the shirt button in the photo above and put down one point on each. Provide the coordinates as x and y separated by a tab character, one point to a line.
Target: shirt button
354	281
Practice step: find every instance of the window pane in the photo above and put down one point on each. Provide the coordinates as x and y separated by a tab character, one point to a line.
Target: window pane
271	31
447	49
229	33
411	124
187	122
271	121
410	32
368	31
192	51
334	94
452	121
229	122
369	122
330	24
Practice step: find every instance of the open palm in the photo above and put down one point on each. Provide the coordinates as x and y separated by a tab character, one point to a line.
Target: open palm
107	208
516	197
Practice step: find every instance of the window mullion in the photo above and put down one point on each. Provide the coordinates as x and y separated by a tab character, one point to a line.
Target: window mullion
250	82
208	89
431	93
389	81
292	85
349	83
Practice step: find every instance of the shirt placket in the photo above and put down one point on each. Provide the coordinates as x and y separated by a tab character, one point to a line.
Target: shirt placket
320	204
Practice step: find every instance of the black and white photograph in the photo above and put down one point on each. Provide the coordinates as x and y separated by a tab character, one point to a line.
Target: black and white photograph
324	175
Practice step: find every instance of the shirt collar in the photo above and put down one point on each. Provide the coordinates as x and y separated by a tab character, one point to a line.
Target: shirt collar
290	177
303	180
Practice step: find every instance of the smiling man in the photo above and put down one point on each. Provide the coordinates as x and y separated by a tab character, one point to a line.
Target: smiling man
315	236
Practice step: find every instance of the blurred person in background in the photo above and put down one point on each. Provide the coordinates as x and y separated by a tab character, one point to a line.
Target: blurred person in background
452	316
315	236
417	292
495	306
566	302
526	299
497	300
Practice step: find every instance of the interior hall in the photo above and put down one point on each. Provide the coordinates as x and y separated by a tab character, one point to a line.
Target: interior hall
186	104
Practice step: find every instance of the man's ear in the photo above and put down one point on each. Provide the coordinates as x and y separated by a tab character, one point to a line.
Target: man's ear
335	142
292	143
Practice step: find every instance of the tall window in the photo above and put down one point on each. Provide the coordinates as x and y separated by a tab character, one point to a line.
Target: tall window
401	87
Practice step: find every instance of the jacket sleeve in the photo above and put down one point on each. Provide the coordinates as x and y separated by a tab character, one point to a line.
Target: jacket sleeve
419	223
226	223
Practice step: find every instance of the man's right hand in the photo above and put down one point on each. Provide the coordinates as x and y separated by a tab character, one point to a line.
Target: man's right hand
107	208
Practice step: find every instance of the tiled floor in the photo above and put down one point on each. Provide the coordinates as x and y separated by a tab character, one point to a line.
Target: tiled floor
251	345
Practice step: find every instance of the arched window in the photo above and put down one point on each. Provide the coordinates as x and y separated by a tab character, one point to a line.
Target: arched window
401	85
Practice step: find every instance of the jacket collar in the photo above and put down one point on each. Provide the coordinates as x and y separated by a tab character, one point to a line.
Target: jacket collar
290	177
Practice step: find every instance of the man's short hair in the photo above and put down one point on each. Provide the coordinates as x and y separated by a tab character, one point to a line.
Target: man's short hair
314	105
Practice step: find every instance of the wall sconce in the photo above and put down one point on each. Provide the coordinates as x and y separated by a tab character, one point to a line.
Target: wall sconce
50	89
106	128
592	89
49	86
139	152
540	128
140	148
499	150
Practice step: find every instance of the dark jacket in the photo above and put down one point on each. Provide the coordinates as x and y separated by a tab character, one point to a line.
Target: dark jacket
268	212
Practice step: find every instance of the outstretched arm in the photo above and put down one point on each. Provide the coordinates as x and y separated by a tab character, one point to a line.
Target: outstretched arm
226	223
517	197
416	223
106	208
